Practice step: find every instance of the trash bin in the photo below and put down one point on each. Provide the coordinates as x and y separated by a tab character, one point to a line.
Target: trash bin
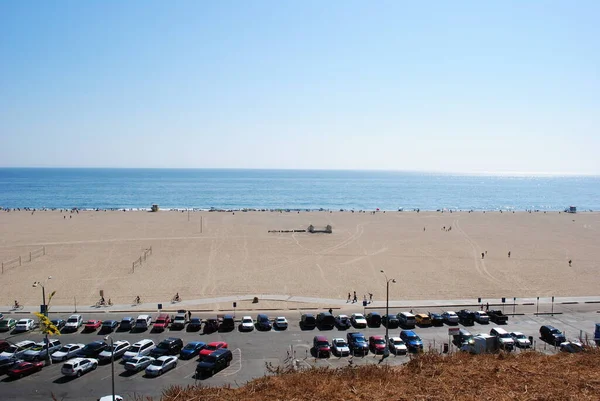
445	348
531	340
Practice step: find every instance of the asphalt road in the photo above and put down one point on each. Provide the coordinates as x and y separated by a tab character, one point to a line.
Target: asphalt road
251	351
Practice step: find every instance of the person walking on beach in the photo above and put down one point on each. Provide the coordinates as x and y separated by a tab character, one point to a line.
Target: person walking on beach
189	315
487	306
370	297
348	298
355	298
569	262
482	255
509	254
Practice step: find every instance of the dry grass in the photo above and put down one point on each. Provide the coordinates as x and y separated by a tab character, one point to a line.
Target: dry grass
526	376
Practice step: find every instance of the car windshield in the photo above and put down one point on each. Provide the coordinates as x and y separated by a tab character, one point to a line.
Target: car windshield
398	342
521	336
134	348
247	321
281	319
360	339
72	320
11	350
211	347
555	331
163	346
107	323
412	336
156	362
322	344
64	349
379	341
359	317
505	335
190	346
160	321
3	323
195	320
209	359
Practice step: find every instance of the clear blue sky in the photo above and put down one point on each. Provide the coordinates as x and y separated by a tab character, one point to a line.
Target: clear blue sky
466	86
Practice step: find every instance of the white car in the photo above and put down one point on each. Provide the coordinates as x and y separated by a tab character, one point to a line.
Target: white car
161	365
397	346
450	317
141	348
79	366
17	350
67	351
24	325
358	320
74	322
280	323
110	398
520	339
481	317
143	322
571	347
120	347
339	347
138	363
247	324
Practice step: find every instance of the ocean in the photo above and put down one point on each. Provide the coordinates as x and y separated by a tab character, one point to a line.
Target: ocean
289	189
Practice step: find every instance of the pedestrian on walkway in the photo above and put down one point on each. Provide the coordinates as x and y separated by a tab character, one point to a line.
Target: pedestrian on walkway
487	306
509	254
355	299
189	315
370	297
348	298
569	262
482	255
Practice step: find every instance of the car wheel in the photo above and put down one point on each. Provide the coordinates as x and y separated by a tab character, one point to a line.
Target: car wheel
228	363
94	366
79	373
21	376
160	372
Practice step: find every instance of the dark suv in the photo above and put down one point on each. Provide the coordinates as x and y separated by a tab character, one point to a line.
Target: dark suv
263	322
227	323
357	343
325	320
308	322
214	362
552	335
93	349
466	317
374	319
169	346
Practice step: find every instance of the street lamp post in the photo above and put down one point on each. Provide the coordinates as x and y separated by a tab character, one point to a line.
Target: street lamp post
387	312
43	285
112	363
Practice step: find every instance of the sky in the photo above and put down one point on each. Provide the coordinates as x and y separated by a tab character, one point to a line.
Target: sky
468	86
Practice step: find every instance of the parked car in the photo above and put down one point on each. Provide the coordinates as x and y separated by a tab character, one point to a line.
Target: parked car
181	319
168	346
450	318
74	322
58	323
321	347
25	368
18	349
142	323
214	362
210	347
463	336
571	347
160	365
436	319
552	335
357	343
211	326
41	350
191	349
127	324
195	324
247	323
138	363
397	346
7	363
423	320
307	322
7	324
497	317
65	352
342	322
358	321
339	347
280	323
377	344
481	317
227	323
93	349
325	321
373	319
162	322
4	345
412	340
390	321
140	348
262	322
466	317
520	339
119	348
91	325
407	320
24	325
108	326
79	366
505	341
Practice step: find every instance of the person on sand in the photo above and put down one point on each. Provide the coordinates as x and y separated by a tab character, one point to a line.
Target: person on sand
355	299
569	262
509	254
482	255
348	298
330	311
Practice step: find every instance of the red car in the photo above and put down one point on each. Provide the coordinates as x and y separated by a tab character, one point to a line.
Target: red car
162	322
25	368
377	344
92	325
211	347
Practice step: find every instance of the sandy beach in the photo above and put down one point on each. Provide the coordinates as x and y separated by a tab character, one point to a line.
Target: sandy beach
234	254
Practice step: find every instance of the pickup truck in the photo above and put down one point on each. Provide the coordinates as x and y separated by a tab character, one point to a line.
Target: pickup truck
466	317
497	316
180	321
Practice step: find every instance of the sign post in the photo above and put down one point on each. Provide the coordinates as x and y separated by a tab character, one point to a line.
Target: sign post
538	306
552	305
234	305
514	304
503	302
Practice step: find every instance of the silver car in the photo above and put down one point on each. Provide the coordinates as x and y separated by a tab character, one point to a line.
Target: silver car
161	365
138	363
67	351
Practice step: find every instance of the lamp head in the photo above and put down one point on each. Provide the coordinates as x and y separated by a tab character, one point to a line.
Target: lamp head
393	280
35	283
49	277
381	271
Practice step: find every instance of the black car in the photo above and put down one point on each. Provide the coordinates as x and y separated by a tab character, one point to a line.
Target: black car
213	363
108	326
93	349
390	321
227	323
343	322
211	326
6	363
357	343
466	317
263	323
195	324
58	323
325	321
308	322
552	335
169	346
496	316
373	319
436	319
126	324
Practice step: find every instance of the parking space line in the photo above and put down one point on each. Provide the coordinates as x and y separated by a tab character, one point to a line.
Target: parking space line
238	369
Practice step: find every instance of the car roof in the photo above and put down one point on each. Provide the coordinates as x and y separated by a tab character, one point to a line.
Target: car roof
422	315
280	317
338	339
196	342
75	316
143	316
127	318
247	317
407	332
216	343
165	357
377	337
24	342
220	351
395	339
321	338
144	341
120	342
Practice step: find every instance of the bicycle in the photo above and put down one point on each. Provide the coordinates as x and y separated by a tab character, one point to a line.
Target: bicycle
136	300
175	299
17	306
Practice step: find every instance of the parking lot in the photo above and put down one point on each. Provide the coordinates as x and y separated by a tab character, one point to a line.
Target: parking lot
251	352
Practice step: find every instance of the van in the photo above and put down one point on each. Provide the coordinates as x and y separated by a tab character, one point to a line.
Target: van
74	322
141	348
227	323
552	335
143	322
505	340
407	320
214	362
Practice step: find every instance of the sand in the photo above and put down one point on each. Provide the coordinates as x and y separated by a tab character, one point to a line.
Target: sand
233	254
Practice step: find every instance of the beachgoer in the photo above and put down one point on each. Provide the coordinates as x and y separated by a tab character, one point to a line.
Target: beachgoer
569	262
487	306
109	302
348	298
509	254
330	311
16	304
486	252
370	297
189	315
482	255
355	299
137	299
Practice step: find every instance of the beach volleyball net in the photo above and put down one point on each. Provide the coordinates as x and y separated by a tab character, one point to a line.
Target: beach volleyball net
139	261
16	262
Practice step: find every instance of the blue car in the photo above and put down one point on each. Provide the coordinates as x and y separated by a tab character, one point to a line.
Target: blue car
412	340
191	350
